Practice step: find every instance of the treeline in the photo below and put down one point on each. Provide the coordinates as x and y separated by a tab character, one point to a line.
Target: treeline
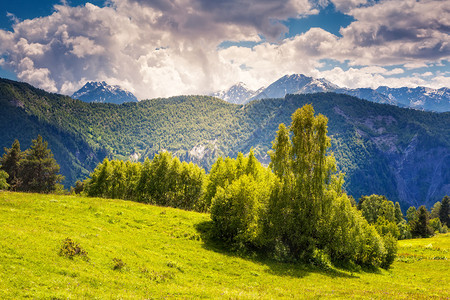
419	223
32	170
163	181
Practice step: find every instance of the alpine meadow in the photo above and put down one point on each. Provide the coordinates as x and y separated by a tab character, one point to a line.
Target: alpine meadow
239	149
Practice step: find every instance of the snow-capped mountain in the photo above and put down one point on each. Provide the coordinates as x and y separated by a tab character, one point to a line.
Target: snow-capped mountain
295	84
102	92
368	94
418	98
238	94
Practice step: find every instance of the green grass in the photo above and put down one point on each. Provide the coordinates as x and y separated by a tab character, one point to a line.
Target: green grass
165	256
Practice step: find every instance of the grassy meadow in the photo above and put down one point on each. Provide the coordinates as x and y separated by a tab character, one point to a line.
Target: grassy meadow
138	251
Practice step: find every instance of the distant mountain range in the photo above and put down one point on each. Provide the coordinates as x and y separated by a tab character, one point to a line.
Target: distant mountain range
421	98
101	92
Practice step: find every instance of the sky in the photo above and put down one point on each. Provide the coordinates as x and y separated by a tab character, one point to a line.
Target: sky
161	48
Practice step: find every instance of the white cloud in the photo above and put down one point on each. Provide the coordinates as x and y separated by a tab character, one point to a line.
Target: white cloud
163	48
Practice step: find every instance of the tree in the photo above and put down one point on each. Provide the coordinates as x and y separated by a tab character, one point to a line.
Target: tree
97	185
375	206
435	210
39	170
3	180
308	211
10	163
398	213
420	226
411	214
445	211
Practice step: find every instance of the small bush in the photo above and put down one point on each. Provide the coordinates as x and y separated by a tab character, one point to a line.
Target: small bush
118	264
71	249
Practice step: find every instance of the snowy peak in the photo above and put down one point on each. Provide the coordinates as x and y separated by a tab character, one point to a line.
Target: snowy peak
238	94
421	98
102	92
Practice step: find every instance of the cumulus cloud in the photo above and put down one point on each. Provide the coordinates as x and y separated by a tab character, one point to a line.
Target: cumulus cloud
161	48
400	31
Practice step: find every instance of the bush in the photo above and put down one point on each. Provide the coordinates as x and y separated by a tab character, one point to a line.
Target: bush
71	249
390	245
118	264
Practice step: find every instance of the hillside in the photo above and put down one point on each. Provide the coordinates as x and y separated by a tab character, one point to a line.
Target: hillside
166	253
401	153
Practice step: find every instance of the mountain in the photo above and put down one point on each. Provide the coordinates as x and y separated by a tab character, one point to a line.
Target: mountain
294	84
237	94
370	95
420	98
383	149
103	93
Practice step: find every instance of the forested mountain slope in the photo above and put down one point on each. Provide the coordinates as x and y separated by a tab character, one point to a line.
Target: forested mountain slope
401	153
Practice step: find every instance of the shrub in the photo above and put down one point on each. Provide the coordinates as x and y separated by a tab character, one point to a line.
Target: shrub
71	249
390	245
118	264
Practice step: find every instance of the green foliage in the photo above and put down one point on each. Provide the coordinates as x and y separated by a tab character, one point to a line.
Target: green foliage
70	249
435	210
238	210
34	170
166	181
118	264
390	244
444	211
240	189
302	213
420	225
436	225
411	214
38	169
404	230
10	164
3	180
398	213
375	206
163	181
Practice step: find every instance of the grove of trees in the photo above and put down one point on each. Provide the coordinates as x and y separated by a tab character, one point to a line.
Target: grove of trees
32	170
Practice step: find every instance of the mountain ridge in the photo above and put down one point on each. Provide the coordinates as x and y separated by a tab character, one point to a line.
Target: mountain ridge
421	98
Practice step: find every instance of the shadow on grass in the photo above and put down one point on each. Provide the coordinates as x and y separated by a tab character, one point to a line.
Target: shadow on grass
290	269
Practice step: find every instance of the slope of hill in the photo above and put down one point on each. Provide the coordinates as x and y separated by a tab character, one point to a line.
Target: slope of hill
421	98
138	251
383	149
103	93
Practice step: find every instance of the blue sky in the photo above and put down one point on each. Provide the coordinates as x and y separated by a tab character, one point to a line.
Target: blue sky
166	47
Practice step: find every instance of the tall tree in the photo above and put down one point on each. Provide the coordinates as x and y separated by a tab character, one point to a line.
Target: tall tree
445	211
435	210
398	213
411	214
10	163
420	226
298	205
39	170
